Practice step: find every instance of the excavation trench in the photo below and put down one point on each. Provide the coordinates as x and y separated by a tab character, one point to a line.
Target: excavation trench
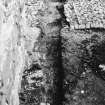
66	55
63	54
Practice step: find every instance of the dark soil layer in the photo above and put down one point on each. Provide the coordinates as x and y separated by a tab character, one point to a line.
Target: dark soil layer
83	52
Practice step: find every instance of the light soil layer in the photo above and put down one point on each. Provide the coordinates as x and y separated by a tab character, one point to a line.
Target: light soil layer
40	77
82	53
